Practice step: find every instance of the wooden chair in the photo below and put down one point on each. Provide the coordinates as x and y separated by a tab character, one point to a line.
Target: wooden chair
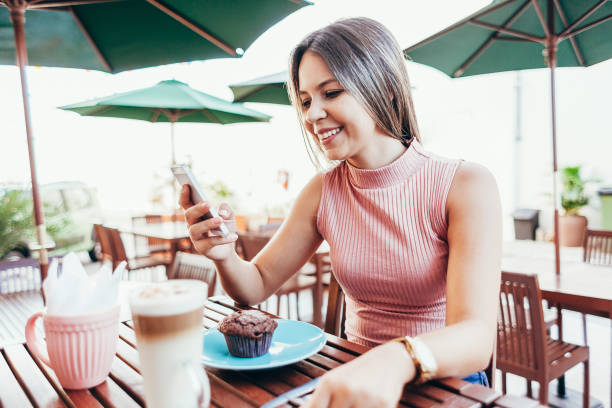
336	315
251	245
198	267
597	247
135	264
523	347
20	297
242	223
105	243
156	245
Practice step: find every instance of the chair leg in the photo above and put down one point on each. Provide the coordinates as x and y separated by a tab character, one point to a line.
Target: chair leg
529	389
278	300
586	386
297	305
503	375
584	328
543	394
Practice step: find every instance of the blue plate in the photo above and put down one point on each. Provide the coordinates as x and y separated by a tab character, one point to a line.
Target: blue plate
292	341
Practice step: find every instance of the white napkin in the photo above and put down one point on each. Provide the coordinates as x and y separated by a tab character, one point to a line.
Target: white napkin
73	292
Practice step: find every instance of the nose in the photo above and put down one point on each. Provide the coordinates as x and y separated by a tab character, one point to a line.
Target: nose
315	111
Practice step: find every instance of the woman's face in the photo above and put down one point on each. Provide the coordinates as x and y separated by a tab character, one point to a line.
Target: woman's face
337	121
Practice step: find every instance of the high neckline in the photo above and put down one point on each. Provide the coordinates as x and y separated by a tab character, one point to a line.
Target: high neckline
393	173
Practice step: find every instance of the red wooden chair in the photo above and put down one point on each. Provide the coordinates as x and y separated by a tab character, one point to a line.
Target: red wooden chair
135	264
523	347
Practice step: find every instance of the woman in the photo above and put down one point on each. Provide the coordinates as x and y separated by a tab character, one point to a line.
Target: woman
415	239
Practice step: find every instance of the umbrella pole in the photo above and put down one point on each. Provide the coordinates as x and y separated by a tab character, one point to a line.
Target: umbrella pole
555	169
551	54
172	142
18	19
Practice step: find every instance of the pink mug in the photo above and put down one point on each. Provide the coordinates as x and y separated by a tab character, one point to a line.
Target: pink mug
80	349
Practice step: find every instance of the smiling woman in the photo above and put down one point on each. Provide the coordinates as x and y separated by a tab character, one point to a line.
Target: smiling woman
414	238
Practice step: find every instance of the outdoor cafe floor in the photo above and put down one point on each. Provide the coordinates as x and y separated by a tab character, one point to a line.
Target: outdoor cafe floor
598	330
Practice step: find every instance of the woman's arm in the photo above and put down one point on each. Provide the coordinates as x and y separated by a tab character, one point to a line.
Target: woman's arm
254	281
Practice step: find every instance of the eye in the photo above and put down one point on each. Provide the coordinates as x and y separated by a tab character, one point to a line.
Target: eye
333	93
305	103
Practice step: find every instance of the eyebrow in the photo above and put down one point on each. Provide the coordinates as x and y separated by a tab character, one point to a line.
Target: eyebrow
322	84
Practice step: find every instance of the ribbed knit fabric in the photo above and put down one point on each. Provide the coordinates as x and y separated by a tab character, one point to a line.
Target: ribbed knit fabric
387	233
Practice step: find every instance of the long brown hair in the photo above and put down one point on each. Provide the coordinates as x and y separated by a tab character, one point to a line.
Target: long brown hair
367	61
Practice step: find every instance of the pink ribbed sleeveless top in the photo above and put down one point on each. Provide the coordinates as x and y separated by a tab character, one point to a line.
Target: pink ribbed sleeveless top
387	233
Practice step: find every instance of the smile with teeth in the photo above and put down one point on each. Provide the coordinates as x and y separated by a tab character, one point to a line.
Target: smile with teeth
332	132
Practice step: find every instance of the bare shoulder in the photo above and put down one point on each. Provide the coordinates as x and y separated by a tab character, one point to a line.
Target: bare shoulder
472	184
307	202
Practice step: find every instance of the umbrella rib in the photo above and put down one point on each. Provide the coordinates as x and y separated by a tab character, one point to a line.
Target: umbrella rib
156	113
566	32
507	31
42	4
210	116
588	27
538	10
489	41
184	113
451	28
571	39
194	27
101	57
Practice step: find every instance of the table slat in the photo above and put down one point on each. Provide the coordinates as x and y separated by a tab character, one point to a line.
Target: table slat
33	381
244	385
128	379
11	393
224	395
112	395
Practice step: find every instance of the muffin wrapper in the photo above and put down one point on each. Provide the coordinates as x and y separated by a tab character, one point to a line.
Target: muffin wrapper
246	347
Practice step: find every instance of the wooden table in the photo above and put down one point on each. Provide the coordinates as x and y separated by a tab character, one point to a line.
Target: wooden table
27	382
580	287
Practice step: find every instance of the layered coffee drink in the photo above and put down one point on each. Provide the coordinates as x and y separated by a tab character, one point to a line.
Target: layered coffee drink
167	320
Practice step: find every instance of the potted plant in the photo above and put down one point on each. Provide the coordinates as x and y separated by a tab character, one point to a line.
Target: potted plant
572	225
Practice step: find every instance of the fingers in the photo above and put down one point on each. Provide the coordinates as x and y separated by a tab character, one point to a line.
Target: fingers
185	197
226	211
320	398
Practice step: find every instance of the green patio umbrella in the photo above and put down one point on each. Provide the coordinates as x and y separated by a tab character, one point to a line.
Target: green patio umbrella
168	101
522	34
267	89
117	35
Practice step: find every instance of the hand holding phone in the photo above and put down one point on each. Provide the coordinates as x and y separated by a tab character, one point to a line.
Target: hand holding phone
184	176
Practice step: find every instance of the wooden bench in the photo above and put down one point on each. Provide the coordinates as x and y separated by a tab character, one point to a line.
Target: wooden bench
20	297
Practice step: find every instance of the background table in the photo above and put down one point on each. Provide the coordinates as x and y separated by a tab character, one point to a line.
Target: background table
28	382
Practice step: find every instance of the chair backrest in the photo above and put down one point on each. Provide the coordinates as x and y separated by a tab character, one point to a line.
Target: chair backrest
193	266
252	243
242	222
521	332
117	247
597	247
270	228
105	242
334	318
19	275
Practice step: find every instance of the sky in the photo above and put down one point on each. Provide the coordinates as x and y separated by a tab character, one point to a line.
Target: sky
472	118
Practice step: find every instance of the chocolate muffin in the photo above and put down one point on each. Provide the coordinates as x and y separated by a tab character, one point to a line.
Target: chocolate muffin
248	333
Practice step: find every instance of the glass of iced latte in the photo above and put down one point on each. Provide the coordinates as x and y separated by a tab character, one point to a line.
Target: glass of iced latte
167	320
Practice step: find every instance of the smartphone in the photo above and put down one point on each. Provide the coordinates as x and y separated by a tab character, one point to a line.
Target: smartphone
184	176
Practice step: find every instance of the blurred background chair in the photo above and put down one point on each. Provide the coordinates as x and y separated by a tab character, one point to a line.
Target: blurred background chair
597	250
597	247
20	297
251	244
139	268
193	266
104	240
523	347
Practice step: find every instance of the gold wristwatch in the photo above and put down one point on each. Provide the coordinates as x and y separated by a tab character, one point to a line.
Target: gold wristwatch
422	357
